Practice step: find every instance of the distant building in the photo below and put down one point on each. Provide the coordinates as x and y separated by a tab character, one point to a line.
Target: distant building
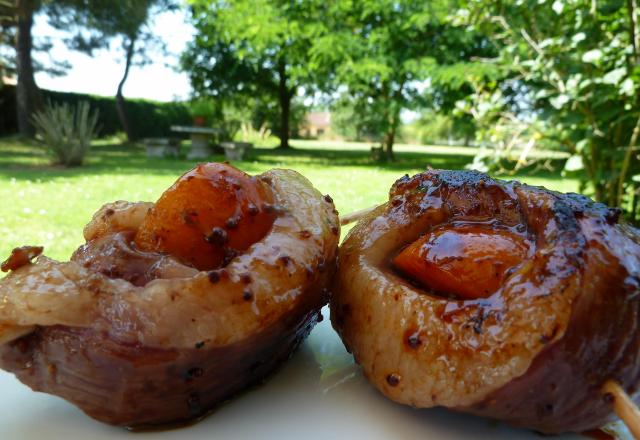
316	124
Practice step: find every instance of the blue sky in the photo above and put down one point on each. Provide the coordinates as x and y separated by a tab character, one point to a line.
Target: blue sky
101	73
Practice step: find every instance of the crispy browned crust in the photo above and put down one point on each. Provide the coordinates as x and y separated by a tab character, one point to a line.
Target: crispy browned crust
136	339
137	386
537	352
562	389
20	256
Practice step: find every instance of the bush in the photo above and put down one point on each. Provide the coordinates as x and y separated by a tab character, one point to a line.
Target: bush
147	118
433	128
357	120
249	134
205	109
65	132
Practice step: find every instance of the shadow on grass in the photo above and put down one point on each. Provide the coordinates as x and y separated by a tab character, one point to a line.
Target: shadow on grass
23	161
26	161
358	158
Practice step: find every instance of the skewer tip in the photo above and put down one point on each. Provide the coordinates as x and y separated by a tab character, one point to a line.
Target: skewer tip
623	406
355	216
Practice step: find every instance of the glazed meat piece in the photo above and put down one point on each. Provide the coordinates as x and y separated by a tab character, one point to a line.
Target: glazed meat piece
170	308
494	298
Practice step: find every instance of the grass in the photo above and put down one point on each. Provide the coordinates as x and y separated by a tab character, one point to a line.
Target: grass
48	205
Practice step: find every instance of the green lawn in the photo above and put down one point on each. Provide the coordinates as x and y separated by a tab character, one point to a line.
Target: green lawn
45	205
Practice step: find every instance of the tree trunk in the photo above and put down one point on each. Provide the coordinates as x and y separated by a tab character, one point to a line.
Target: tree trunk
389	139
390	135
284	96
120	102
28	98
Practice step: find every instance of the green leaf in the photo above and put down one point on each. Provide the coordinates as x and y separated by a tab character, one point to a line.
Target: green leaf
581	145
558	7
614	76
559	101
574	163
627	87
577	38
592	56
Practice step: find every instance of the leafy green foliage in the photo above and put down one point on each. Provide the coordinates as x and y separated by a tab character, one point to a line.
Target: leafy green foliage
254	136
376	57
148	118
385	55
66	133
438	128
255	54
354	120
93	24
573	68
7	22
9	11
205	108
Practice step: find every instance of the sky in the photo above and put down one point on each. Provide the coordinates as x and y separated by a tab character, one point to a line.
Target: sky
100	74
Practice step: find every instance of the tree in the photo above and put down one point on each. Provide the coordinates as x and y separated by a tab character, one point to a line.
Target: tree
6	38
16	18
95	23
384	52
577	65
353	119
254	48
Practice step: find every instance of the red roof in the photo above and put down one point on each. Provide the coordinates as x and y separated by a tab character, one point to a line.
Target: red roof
319	119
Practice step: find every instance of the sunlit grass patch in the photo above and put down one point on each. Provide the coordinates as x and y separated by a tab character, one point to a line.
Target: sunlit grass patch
49	206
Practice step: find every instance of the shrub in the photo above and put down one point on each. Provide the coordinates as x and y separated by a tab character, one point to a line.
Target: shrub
147	118
66	133
204	111
249	134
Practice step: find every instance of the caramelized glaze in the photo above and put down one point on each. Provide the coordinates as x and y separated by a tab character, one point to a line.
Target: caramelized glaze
469	261
137	338
210	214
536	351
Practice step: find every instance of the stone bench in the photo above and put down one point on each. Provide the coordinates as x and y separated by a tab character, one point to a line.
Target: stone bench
162	147
236	150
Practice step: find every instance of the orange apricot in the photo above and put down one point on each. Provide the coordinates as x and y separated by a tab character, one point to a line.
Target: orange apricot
468	262
209	214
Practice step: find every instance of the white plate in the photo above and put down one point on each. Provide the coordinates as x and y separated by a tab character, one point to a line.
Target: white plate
318	394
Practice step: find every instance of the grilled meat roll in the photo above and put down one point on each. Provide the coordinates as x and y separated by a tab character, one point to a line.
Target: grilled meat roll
172	307
492	297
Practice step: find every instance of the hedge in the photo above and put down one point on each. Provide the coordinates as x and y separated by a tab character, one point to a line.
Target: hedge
147	118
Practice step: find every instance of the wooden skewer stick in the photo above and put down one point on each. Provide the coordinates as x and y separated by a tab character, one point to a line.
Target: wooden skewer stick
355	216
624	407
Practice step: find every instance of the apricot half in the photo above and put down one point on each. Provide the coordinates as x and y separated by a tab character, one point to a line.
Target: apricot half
469	262
209	215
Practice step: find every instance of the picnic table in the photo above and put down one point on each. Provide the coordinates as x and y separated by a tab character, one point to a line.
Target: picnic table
200	137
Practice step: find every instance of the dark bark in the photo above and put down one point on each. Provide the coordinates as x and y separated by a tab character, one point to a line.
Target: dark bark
392	107
284	96
120	101
393	118
28	98
389	140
